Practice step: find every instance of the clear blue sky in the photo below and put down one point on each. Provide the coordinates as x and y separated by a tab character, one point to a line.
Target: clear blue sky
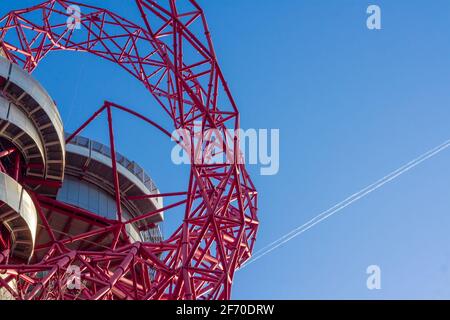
351	104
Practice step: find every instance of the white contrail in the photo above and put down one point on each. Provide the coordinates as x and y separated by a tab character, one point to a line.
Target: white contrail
425	155
348	201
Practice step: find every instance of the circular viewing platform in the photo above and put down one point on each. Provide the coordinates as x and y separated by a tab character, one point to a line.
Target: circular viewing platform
91	161
30	120
18	214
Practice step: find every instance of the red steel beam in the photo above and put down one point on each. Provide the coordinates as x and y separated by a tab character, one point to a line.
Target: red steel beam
221	200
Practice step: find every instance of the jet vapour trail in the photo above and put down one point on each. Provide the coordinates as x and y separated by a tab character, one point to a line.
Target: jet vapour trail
356	194
345	203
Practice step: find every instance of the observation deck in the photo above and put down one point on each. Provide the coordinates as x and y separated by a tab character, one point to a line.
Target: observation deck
30	120
18	214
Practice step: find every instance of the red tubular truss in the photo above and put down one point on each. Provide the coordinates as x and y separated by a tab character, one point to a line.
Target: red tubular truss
171	53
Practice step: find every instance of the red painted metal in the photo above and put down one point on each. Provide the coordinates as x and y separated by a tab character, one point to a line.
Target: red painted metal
171	53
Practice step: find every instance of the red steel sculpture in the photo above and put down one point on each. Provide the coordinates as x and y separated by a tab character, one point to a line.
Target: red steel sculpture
171	53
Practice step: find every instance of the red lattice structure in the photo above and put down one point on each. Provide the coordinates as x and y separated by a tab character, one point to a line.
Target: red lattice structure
171	53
